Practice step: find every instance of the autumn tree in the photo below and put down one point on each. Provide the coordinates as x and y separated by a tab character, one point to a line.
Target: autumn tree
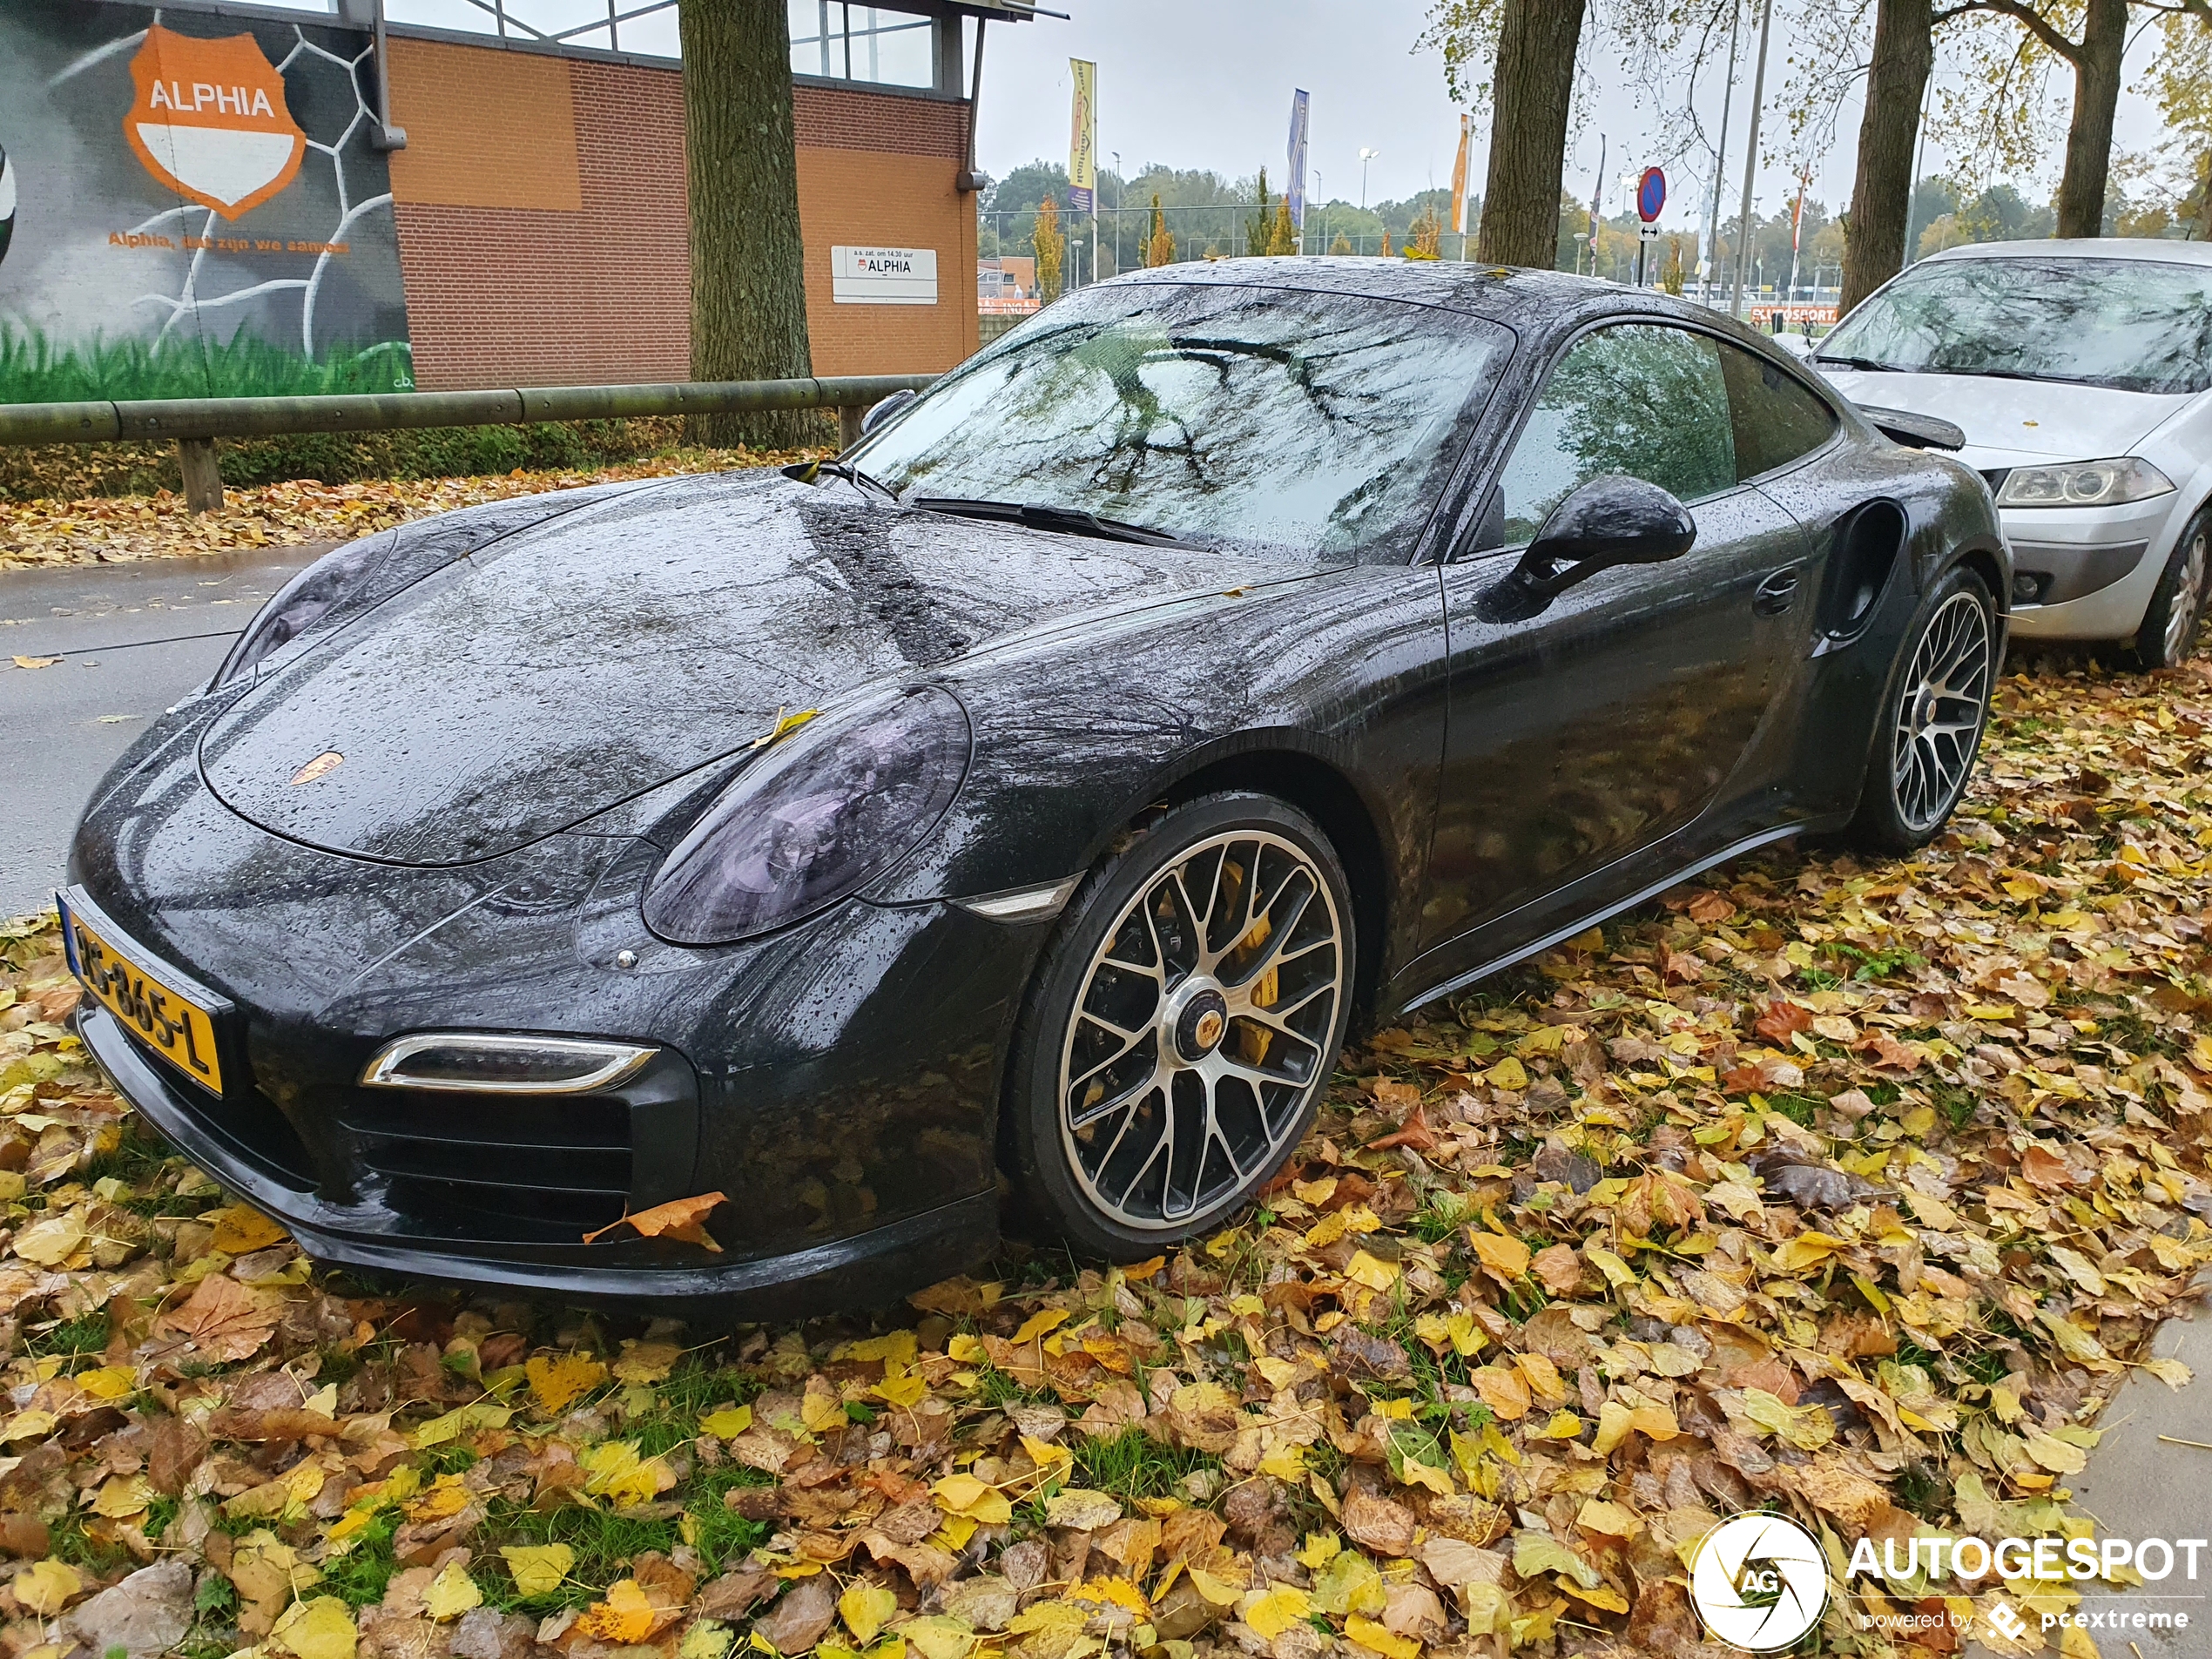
1282	237
1522	54
1342	245
1259	229
2089	37
1051	246
1427	239
2180	82
748	266
1881	198
1159	241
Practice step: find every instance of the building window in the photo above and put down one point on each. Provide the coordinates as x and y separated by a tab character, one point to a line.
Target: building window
838	41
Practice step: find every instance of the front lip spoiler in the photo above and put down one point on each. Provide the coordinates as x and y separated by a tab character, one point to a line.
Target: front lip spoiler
870	1269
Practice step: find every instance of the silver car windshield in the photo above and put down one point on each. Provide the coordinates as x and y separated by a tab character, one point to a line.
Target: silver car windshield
1266	418
2135	325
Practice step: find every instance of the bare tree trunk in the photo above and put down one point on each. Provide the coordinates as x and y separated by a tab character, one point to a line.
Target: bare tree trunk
2088	139
2200	229
1881	197
748	267
1533	86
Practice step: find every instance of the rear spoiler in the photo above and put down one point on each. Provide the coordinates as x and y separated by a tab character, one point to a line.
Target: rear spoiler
1914	431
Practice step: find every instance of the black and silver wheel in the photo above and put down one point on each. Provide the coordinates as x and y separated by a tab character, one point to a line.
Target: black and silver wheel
2176	608
1933	718
1182	1025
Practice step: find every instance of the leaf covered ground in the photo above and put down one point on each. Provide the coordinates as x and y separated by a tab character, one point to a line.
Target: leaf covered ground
1849	1190
105	530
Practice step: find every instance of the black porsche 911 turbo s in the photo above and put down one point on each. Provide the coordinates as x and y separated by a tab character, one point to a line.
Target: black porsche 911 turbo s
1230	652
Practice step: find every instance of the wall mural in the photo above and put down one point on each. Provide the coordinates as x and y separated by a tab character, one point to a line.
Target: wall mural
190	207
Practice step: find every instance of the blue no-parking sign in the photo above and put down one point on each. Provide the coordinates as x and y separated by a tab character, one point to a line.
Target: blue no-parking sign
1651	194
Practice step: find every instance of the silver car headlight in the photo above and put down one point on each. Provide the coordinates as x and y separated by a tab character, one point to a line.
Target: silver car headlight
2083	483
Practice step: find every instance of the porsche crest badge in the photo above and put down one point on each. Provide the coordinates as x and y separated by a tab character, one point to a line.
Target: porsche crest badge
210	120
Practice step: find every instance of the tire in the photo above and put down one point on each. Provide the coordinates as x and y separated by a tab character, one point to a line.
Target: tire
2176	610
1163	1012
1933	714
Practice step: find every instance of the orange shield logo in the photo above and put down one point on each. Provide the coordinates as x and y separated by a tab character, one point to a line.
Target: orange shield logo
210	120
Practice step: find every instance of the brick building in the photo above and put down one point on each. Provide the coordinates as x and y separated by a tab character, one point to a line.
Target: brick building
541	208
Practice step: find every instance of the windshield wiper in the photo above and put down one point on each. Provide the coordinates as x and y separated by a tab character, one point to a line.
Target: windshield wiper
1861	362
805	472
1072	521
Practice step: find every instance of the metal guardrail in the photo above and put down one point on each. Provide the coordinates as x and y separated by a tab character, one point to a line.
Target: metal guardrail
194	423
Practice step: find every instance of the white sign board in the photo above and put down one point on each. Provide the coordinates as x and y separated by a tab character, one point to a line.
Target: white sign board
883	276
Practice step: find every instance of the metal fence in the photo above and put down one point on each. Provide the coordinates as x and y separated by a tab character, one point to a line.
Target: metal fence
195	423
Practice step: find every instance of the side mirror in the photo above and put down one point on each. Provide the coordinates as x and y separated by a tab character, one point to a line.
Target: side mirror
1610	521
881	412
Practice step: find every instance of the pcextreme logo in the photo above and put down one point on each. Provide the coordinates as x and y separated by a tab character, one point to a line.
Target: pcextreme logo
1759	1582
210	120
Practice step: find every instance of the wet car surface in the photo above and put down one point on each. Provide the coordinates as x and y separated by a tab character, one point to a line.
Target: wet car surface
1041	790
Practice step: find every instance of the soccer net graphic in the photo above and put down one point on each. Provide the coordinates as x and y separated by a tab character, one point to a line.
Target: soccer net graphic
189	303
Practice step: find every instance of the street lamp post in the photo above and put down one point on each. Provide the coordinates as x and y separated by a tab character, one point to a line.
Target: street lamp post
1120	185
1366	156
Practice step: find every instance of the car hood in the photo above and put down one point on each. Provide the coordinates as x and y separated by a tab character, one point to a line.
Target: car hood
2017	422
568	666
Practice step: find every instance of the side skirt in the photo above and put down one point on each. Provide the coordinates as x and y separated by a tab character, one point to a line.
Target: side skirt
1559	935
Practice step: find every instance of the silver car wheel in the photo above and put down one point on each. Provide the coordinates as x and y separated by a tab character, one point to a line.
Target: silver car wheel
2189	595
1938	721
1200	1031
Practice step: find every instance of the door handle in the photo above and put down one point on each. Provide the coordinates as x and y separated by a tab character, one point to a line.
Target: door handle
1775	594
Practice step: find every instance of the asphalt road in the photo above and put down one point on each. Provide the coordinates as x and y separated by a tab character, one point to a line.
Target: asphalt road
131	639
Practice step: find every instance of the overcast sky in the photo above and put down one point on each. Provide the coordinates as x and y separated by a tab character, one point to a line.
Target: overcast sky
1208	82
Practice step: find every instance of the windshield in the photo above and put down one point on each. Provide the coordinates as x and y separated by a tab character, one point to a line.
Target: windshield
1313	423
2135	325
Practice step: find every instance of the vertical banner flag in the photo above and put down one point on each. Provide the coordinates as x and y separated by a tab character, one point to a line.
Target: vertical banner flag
1460	181
1596	191
1797	229
1082	136
1295	190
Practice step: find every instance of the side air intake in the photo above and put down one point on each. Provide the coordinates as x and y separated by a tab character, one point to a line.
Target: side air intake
1868	542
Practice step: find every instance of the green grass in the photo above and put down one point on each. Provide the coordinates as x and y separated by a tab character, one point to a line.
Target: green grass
77	1339
1132	1465
35	369
360	1576
605	1543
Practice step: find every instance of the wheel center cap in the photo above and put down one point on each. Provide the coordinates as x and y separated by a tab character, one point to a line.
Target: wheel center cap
1200	1025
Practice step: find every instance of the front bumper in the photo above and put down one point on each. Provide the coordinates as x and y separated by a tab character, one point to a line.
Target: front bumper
839	1081
866	1268
2094	567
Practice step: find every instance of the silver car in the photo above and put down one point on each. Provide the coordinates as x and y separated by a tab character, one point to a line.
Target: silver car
2080	372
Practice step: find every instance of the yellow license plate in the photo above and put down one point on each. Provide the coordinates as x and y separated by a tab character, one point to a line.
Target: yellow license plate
170	1023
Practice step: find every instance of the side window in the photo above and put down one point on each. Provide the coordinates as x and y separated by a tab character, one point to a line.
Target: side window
1639	398
1776	420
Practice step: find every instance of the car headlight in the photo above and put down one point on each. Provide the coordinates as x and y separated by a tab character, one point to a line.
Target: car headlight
300	603
813	819
2083	483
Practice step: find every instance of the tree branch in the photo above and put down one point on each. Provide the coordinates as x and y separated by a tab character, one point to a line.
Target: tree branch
2026	17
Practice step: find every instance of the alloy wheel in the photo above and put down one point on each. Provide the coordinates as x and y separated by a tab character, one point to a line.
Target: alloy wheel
1200	1030
2189	595
1939	719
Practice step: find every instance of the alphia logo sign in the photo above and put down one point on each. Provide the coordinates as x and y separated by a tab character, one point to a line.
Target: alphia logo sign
210	120
1759	1582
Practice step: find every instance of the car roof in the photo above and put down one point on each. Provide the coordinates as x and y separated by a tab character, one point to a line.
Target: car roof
2150	250
1509	294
